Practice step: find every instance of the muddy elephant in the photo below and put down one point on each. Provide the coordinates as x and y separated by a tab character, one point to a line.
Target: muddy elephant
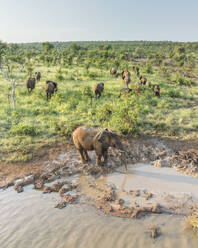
38	76
136	70
98	89
113	72
126	77
143	80
88	139
156	90
30	84
50	88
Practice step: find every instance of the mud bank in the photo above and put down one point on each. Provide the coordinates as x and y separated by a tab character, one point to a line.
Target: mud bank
182	155
63	174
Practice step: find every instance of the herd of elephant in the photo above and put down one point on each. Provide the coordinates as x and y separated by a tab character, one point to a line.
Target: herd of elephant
88	138
50	88
126	76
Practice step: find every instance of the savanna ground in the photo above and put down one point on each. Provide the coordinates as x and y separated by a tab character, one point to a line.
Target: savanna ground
38	128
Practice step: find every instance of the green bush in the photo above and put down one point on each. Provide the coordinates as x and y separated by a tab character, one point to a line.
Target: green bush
181	80
93	75
148	68
23	129
174	94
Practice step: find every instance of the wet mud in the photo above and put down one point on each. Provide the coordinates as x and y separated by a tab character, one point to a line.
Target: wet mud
57	175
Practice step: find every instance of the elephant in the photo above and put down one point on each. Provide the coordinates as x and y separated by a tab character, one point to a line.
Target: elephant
88	139
113	71
38	76
156	90
136	70
143	80
137	87
98	89
30	83
50	88
126	77
148	84
126	92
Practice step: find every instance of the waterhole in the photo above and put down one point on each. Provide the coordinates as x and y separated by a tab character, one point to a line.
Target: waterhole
29	219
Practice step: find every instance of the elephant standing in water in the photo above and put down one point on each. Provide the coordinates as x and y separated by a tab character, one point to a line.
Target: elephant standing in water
88	139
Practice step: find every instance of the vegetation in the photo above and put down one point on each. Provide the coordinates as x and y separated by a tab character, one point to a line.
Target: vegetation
77	67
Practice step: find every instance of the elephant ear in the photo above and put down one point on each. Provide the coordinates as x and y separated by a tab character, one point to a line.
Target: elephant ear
102	134
123	75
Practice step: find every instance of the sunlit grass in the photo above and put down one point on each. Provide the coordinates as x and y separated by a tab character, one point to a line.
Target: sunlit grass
37	121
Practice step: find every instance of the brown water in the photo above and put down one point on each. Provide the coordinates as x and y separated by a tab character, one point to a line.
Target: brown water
29	219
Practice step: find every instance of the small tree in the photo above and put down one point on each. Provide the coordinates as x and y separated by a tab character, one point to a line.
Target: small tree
4	61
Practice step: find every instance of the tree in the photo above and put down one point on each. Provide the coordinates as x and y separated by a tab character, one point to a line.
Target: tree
4	62
47	46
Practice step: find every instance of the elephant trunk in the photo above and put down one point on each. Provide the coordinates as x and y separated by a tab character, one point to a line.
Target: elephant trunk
123	157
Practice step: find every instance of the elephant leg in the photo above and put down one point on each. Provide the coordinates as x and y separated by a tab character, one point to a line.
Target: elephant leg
82	155
105	156
98	159
86	157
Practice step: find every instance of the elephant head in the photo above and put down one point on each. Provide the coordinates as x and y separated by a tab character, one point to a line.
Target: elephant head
156	90
110	139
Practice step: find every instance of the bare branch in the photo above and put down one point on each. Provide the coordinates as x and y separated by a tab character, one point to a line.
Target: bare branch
12	84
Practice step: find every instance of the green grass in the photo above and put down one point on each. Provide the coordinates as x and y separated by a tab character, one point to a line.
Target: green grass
37	122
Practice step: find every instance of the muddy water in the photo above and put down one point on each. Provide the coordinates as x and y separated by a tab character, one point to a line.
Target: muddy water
158	180
166	186
29	219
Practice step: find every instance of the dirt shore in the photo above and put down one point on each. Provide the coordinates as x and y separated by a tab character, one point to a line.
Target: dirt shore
182	155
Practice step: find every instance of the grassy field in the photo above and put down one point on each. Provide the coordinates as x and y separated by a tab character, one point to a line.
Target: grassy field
37	123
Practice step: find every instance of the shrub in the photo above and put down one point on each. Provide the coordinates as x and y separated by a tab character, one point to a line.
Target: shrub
125	116
93	75
174	94
23	129
181	80
148	68
65	128
87	91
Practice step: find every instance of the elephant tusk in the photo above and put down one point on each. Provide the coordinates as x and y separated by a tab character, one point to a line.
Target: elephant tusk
123	159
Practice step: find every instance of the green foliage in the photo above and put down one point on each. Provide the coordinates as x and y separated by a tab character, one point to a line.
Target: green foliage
148	68
174	93
181	80
87	92
125	117
23	130
77	67
59	75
